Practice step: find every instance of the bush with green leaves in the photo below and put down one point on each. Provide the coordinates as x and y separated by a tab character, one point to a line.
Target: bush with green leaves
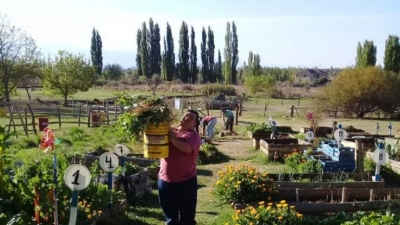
209	154
268	214
260	127
242	183
297	162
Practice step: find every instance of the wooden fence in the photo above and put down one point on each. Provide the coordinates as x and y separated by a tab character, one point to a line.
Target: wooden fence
34	117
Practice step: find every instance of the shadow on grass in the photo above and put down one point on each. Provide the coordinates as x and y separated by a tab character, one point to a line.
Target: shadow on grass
202	172
146	207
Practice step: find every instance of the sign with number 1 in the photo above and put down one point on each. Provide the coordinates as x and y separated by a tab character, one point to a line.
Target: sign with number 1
77	177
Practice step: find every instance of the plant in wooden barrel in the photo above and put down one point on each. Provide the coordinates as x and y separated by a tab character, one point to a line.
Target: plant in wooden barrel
148	117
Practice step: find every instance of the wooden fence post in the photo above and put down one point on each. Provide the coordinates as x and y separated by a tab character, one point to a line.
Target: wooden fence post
291	111
237	116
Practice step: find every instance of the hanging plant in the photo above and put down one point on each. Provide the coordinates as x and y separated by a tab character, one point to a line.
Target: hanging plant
142	111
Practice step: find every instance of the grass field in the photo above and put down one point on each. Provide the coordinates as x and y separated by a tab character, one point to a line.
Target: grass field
238	148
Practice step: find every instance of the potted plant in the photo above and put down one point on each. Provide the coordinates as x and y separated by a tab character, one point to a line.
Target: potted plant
143	111
150	118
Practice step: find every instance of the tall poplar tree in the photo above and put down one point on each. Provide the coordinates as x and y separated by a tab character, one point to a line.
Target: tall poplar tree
210	56
96	52
150	57
144	51
218	68
138	53
184	53
228	55
193	58
169	55
204	57
235	53
366	55
391	60
155	50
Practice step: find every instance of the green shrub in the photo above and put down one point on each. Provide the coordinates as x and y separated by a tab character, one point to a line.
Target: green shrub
243	183
215	88
270	213
297	162
209	154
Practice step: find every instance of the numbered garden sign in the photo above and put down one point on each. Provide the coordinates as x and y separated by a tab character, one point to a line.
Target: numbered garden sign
309	135
109	162
122	151
340	134
380	157
76	177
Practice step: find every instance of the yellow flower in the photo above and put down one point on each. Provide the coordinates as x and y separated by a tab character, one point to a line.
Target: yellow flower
292	206
269	198
283	201
239	182
219	182
89	216
280	218
269	203
261	203
279	205
236	186
299	215
231	179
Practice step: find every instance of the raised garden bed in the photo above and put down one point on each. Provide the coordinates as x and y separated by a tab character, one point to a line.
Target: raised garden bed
316	208
320	131
281	137
281	147
367	143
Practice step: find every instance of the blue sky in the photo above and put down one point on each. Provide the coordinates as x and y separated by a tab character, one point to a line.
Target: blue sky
296	33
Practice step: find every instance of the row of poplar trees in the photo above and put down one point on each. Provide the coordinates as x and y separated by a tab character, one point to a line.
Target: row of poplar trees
150	60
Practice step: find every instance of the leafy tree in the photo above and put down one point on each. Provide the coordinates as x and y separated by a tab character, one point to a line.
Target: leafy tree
184	53
210	55
138	53
19	57
235	53
361	90
228	55
391	60
113	71
366	54
193	58
204	56
169	55
68	74
96	51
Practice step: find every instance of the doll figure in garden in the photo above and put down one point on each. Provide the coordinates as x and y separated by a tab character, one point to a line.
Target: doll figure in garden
47	140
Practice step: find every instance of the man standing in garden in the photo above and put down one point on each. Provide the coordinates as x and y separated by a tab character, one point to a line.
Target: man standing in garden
177	179
208	123
228	117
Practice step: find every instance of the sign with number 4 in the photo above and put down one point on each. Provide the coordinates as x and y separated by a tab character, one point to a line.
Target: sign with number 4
108	161
77	177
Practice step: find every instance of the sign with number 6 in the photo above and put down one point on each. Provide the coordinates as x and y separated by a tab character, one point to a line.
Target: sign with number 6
77	177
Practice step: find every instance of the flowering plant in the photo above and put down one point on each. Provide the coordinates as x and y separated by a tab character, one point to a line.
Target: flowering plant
297	162
244	184
270	213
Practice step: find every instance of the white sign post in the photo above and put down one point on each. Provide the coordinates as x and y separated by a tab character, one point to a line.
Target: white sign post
340	134
309	136
380	157
76	177
109	163
122	151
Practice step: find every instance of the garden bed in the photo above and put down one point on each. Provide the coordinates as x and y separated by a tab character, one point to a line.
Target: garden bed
281	147
320	131
316	208
282	138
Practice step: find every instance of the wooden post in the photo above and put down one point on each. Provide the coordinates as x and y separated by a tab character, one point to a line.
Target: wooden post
297	195
359	155
79	115
334	127
291	111
88	117
240	106
236	116
59	117
344	194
